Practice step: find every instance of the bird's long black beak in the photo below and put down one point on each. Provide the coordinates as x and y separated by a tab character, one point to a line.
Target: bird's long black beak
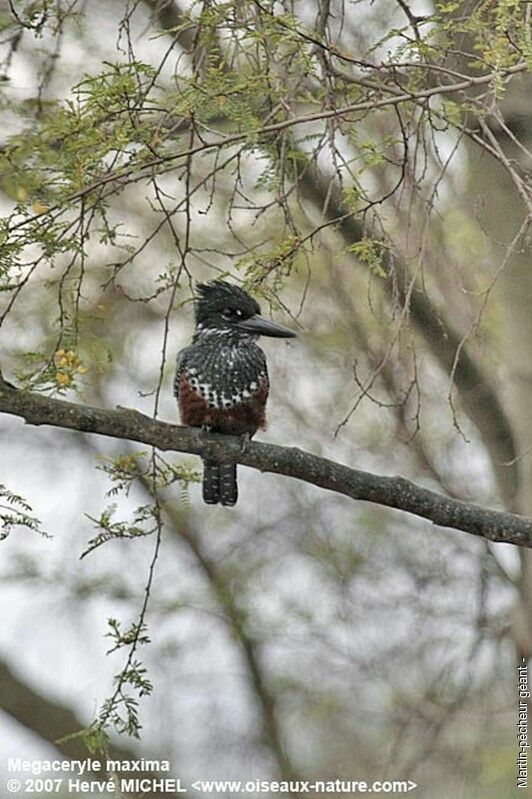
258	326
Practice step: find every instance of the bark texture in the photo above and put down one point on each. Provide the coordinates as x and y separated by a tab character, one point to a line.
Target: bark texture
393	492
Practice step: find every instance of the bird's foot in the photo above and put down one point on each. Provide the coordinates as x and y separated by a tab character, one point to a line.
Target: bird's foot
244	441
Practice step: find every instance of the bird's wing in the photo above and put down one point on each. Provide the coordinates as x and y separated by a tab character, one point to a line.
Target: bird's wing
262	367
180	363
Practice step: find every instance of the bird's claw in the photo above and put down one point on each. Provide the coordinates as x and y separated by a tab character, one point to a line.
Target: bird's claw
244	441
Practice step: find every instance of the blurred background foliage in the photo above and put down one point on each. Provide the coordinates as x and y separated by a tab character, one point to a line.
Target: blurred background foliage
364	170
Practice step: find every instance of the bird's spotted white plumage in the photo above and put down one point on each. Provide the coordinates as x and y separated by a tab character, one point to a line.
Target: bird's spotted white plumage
224	370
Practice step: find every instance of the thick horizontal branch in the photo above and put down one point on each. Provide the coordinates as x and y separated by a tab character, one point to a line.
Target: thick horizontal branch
393	492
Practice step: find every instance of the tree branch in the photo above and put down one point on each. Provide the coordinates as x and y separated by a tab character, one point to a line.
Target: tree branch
393	492
137	169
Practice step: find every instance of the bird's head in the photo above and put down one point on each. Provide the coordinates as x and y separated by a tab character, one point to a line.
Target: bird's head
222	306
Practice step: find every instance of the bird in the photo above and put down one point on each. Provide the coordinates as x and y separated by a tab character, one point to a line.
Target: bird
221	381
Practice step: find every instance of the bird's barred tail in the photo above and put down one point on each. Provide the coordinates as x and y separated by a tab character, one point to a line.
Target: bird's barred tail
228	486
211	482
219	483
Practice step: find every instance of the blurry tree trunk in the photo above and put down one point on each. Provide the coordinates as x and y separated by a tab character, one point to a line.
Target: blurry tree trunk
502	215
56	724
516	287
271	731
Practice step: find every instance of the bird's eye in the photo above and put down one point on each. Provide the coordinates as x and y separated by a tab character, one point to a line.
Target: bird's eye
232	313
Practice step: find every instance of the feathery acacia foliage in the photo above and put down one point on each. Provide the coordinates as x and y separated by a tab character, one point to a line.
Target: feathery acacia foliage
317	155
